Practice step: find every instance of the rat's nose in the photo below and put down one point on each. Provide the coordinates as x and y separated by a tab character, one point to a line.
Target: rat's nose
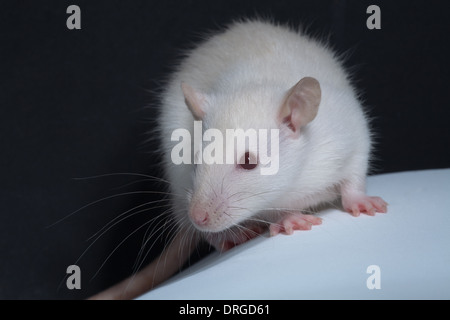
199	216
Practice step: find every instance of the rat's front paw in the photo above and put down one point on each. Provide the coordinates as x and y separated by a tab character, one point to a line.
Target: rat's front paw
294	221
364	204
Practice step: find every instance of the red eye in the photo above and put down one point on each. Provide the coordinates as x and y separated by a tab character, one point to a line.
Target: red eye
248	161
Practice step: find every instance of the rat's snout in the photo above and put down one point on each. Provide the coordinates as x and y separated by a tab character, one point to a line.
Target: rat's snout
211	215
199	215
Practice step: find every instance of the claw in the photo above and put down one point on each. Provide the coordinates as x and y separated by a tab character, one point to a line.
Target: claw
364	204
292	222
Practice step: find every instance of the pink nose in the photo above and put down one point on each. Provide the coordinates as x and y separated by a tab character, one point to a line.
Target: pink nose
199	216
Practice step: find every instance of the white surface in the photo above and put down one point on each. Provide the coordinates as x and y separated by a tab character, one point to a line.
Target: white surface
410	244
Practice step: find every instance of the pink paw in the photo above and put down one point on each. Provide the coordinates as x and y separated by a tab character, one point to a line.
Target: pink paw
364	204
294	221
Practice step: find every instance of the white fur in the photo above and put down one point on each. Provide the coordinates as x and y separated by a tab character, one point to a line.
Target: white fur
245	73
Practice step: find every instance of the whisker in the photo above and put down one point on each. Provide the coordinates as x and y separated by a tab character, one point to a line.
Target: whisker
221	187
128	211
150	177
174	234
132	183
141	250
107	198
131	215
98	237
109	256
279	191
142	258
257	194
147	238
238	193
247	230
211	187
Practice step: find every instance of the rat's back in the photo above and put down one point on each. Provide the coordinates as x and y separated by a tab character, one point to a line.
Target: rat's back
257	51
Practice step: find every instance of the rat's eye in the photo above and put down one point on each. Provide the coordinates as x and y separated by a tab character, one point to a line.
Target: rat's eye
248	161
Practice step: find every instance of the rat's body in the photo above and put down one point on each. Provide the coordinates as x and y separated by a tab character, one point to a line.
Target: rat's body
256	75
240	79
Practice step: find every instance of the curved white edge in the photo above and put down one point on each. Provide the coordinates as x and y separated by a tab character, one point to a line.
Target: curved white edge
406	250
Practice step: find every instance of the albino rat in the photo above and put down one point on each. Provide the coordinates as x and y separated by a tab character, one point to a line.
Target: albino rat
257	75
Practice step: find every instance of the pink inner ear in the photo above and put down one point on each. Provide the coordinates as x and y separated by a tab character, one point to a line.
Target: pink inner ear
296	101
194	100
301	104
288	122
294	118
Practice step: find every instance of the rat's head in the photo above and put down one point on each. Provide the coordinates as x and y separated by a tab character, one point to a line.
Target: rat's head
249	139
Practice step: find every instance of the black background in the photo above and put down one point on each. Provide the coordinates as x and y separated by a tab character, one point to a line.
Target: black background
80	103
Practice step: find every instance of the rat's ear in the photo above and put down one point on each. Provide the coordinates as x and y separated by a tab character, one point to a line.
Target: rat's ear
301	104
195	101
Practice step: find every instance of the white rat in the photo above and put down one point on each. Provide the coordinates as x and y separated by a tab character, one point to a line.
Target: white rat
264	76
